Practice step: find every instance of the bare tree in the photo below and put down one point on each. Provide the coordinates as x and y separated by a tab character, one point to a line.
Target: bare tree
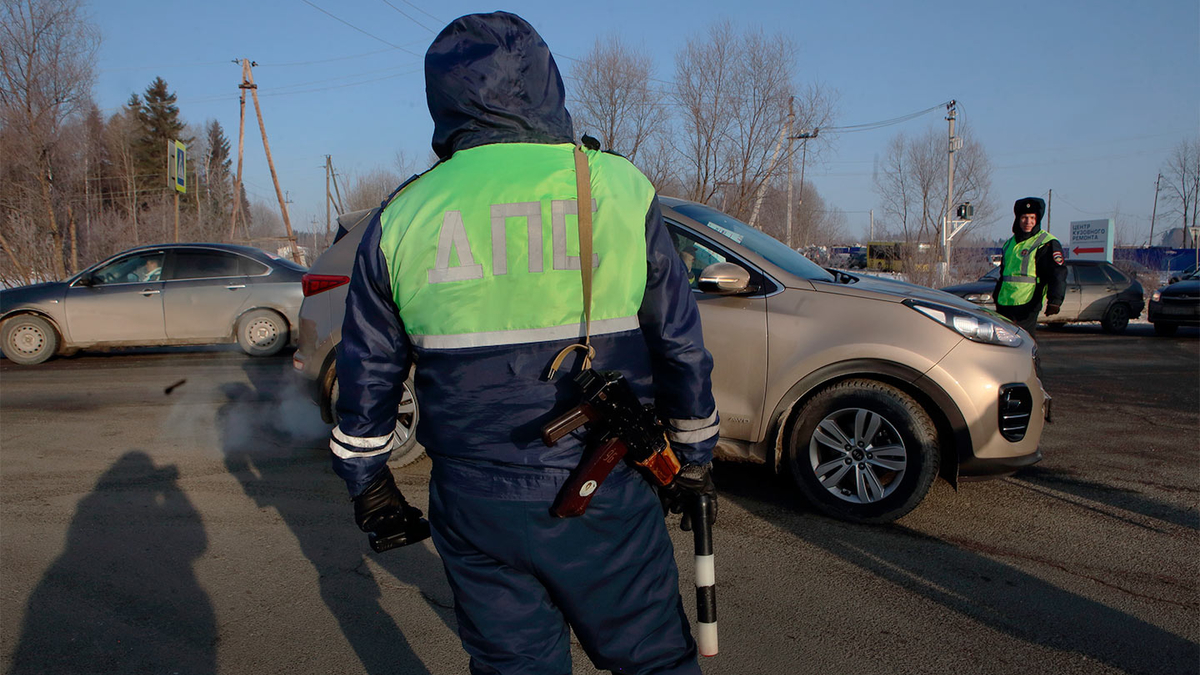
815	221
704	91
912	183
370	189
612	98
733	91
46	56
1181	187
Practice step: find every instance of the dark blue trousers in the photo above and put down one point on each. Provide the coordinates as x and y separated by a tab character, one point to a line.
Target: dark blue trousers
522	578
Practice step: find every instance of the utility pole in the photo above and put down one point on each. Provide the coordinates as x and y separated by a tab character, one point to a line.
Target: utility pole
762	187
1154	212
804	136
328	198
287	223
1049	205
340	207
791	120
872	237
237	185
955	143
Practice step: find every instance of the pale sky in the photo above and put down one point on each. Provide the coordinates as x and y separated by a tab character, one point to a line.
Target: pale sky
1084	98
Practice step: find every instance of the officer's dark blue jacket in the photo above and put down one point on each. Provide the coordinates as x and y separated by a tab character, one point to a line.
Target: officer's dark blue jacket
485	406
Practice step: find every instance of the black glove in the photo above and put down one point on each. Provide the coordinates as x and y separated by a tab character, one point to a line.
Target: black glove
388	520
1051	310
692	481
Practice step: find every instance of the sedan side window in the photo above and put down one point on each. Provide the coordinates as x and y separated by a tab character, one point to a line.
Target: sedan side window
141	267
251	268
1116	275
695	255
204	265
1091	275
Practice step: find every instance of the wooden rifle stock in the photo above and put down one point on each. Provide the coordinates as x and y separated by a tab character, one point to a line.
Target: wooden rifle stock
576	494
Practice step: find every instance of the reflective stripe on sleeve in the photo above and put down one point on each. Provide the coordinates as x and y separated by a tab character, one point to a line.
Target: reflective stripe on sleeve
693	430
349	447
691	424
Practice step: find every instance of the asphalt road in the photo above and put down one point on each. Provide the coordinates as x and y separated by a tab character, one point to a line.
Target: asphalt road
200	531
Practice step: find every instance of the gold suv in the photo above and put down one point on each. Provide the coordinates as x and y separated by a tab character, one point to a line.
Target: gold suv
862	390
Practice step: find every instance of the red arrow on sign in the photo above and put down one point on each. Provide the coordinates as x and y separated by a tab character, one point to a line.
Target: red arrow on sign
1078	250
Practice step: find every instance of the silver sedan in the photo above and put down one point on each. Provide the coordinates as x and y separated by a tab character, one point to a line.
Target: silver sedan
175	294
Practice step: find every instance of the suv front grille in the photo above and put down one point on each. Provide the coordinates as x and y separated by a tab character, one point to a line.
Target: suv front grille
1016	404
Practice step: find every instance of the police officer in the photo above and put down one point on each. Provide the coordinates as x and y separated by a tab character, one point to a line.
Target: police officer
472	272
1032	269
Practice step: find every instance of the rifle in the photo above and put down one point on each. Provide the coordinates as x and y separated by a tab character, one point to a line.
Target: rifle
625	429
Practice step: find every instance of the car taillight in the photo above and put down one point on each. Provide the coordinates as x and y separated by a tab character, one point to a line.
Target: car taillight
319	283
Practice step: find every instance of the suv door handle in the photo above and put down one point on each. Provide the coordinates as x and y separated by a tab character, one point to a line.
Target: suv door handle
234	287
147	292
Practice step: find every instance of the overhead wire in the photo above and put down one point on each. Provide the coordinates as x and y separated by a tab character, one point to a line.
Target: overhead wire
347	23
405	15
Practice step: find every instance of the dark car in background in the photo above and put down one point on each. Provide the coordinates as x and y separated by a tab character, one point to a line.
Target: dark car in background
1096	291
1176	305
170	294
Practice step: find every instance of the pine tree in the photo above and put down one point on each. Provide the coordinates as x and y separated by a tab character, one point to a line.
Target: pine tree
158	117
218	186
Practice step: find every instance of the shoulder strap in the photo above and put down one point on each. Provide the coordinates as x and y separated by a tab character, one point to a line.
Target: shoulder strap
583	195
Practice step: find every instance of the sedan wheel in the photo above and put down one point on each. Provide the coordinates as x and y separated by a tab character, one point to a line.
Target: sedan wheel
1165	329
863	451
1116	318
407	416
28	340
262	333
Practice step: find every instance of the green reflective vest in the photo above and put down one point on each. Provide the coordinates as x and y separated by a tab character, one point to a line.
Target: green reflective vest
1018	279
484	249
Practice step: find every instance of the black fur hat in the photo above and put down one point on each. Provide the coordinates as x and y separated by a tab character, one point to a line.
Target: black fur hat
1034	205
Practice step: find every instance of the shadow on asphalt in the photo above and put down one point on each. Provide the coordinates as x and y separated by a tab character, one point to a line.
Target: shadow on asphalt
969	583
288	469
123	597
1128	500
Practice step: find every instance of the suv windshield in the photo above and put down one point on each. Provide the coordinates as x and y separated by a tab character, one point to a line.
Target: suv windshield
764	245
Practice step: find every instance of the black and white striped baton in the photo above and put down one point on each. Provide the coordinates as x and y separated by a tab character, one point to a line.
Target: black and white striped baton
706	577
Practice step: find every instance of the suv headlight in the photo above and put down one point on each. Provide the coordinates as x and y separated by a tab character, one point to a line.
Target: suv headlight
1157	296
971	325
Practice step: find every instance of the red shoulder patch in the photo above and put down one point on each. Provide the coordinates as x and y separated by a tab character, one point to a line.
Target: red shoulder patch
1058	258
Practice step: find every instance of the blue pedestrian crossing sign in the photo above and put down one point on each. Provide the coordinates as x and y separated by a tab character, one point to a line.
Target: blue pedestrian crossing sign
178	155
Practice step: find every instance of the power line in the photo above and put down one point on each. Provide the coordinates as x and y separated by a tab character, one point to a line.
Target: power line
424	12
203	64
402	13
871	126
329	60
347	23
340	86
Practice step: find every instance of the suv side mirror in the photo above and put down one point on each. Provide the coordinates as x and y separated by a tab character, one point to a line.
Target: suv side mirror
724	279
87	280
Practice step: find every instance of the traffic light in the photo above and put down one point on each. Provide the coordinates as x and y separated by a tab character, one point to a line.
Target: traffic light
965	211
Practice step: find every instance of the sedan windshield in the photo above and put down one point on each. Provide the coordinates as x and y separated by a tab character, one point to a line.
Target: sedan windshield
755	240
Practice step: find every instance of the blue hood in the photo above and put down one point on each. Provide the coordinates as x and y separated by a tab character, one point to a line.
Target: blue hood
10	298
490	78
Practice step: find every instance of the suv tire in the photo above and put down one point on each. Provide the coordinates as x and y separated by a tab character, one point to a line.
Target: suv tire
874	446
